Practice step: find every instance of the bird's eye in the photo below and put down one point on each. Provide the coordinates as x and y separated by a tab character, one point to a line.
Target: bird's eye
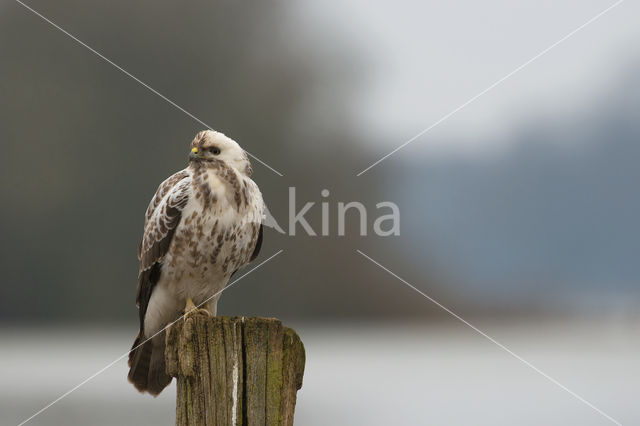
214	150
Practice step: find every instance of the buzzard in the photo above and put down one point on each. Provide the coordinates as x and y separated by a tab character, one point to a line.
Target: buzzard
201	226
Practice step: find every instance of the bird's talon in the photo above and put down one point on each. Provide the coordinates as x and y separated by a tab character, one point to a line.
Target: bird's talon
206	311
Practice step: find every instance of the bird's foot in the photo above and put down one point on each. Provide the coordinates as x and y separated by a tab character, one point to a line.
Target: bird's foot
190	307
206	311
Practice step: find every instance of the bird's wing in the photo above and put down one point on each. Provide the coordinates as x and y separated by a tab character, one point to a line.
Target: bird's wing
161	220
256	250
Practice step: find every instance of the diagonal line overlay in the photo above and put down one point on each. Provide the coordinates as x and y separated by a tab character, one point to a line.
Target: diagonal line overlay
133	77
495	84
106	367
494	341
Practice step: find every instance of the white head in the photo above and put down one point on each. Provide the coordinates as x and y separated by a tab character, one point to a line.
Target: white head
209	148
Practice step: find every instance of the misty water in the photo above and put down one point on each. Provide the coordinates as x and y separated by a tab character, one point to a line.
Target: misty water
367	374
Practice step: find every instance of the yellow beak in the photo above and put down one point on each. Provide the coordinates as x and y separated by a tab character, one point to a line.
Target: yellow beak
194	150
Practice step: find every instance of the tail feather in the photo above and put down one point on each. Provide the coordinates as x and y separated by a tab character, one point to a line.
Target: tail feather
147	365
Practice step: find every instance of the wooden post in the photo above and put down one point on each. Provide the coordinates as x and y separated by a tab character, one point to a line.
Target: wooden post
234	370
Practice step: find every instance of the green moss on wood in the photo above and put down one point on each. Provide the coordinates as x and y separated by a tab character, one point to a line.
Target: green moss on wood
201	353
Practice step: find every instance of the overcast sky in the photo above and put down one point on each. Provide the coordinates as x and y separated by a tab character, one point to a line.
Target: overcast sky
425	58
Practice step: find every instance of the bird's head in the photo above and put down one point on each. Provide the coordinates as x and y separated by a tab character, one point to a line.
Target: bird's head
209	148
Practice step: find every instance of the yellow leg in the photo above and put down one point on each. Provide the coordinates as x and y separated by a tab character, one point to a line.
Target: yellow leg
189	306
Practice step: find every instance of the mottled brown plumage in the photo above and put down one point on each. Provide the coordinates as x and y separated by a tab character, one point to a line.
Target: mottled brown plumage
201	226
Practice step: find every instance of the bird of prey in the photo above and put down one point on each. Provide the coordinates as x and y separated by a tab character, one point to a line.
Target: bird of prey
201	226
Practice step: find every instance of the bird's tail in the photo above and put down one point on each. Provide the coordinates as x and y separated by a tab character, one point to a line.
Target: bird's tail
147	366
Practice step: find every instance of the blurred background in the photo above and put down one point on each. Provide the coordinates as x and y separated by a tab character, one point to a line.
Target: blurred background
519	212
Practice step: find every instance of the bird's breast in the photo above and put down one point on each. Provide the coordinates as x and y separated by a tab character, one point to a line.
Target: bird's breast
211	243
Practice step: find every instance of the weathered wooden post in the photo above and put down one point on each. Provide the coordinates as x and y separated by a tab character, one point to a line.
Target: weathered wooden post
234	370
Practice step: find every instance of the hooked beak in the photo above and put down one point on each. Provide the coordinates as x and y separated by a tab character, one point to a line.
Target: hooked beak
193	155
